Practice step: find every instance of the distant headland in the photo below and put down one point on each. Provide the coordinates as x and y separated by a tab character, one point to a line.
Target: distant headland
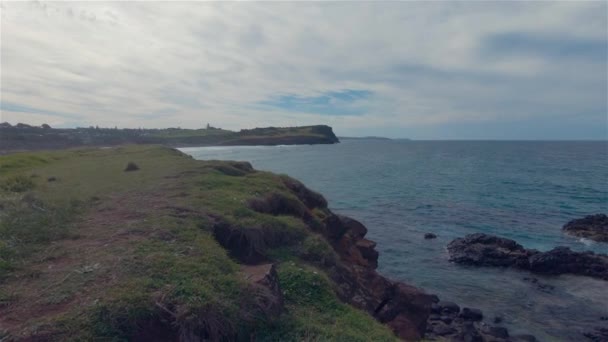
22	137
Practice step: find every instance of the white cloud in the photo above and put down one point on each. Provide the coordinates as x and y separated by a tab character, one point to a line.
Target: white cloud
159	64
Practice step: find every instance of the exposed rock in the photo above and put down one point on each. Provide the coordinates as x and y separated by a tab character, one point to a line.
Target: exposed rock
593	227
539	285
266	288
524	338
487	250
446	307
310	198
563	260
429	236
599	334
469	314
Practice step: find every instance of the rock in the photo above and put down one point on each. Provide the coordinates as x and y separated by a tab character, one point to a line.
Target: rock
487	250
524	338
446	319
499	332
51	179
599	334
471	314
429	236
563	260
448	307
593	227
540	286
410	302
443	329
265	277
497	319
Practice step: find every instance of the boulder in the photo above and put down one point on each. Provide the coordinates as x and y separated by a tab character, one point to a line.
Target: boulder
469	314
563	260
593	227
487	250
266	288
429	236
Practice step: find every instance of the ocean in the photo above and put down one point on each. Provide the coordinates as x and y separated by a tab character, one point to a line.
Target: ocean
524	191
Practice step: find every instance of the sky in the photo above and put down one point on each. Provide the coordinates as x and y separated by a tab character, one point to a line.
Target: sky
420	70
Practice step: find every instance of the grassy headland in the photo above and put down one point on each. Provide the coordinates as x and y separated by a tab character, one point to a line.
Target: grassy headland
179	249
23	137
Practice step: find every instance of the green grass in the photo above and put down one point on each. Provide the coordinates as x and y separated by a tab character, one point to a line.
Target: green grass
315	314
100	252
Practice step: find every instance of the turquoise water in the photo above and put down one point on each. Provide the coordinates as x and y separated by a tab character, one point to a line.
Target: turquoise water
520	190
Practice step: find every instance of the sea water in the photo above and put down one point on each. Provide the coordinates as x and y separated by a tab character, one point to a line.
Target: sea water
524	191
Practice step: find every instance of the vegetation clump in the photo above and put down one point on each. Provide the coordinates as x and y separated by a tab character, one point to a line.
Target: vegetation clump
131	166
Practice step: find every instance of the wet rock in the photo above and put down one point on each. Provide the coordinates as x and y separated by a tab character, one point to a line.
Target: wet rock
487	250
471	314
499	332
593	227
599	334
524	338
539	285
448	307
429	236
497	319
563	260
443	330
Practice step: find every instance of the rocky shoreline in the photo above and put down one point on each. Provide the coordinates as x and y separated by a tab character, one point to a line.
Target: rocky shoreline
410	312
488	250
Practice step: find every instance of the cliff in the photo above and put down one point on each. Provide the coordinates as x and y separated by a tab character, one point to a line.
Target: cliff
23	137
174	249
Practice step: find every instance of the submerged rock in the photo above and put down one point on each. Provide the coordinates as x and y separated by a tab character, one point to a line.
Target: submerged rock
429	236
593	227
487	250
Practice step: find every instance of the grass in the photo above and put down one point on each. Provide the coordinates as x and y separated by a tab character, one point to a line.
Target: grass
315	314
103	254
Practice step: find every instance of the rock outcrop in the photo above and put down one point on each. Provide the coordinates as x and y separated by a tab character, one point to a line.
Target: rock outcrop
593	227
487	250
448	322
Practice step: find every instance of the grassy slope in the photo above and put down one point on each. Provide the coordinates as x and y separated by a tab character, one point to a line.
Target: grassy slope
100	253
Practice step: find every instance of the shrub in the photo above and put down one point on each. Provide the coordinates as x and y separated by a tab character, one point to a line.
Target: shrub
131	166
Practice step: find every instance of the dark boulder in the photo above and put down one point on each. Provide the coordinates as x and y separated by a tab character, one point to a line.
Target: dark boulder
563	260
448	307
469	314
429	236
593	227
487	250
599	334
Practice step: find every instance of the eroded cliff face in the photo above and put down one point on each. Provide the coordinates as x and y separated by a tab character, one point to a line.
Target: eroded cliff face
404	308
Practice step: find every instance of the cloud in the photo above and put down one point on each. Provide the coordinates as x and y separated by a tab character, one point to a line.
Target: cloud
362	67
343	102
